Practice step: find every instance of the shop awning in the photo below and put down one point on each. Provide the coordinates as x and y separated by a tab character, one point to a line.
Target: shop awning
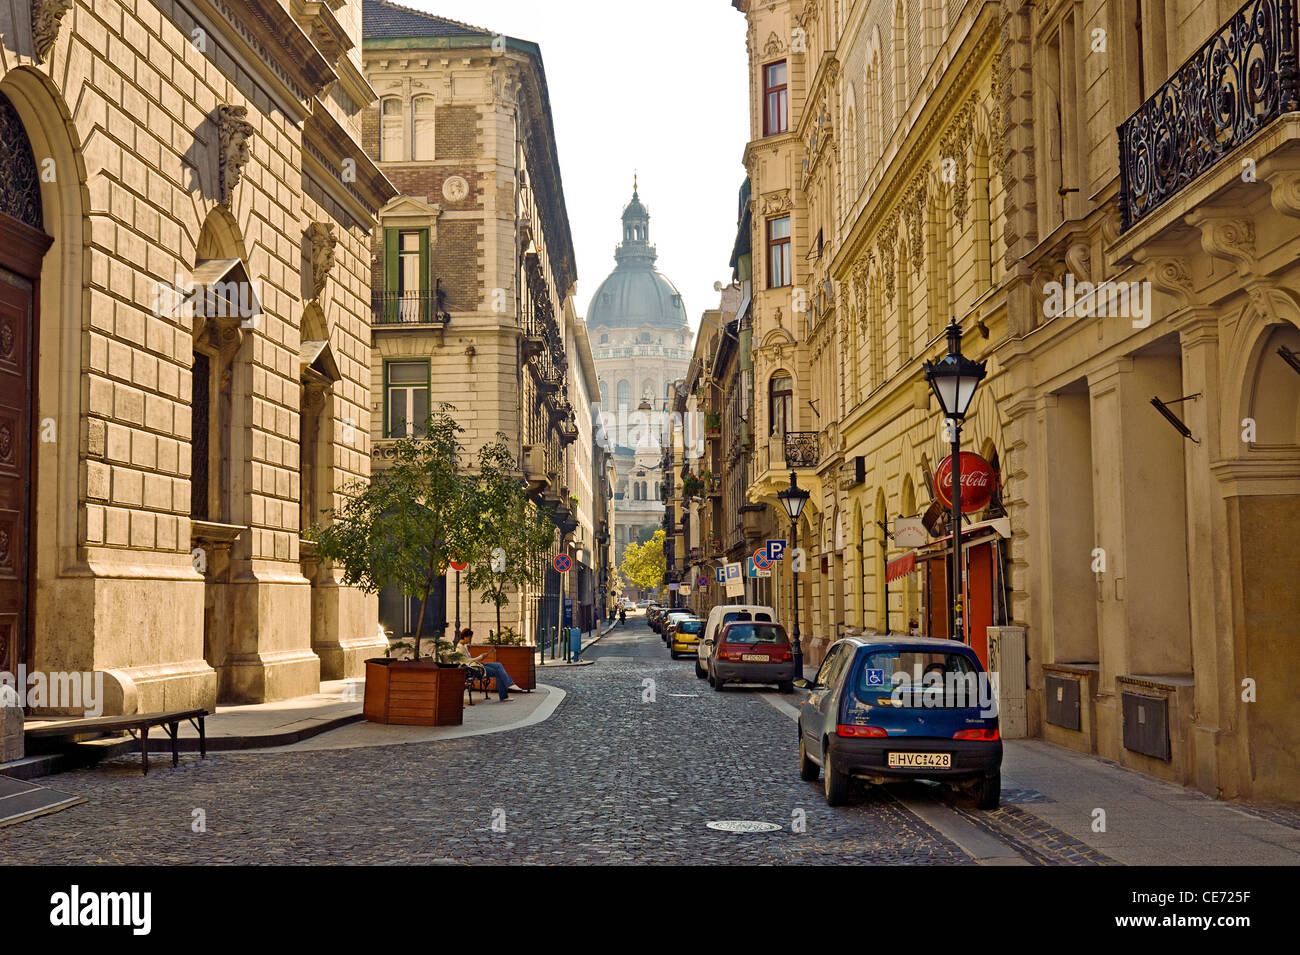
900	567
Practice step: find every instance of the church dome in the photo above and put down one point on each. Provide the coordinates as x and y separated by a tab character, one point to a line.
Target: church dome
636	293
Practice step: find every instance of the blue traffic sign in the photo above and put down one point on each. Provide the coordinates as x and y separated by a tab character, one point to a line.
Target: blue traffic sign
776	550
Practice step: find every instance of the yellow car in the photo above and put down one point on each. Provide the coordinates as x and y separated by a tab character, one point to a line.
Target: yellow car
685	636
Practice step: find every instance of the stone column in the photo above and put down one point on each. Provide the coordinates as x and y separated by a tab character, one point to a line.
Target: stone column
1212	625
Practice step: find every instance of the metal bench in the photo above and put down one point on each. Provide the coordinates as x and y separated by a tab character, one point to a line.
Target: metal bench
136	723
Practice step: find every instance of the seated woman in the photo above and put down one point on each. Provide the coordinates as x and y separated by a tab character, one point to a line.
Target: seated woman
462	653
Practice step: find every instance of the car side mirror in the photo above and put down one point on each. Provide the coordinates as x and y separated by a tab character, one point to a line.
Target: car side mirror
803	684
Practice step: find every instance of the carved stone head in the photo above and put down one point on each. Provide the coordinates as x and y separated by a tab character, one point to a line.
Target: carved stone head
320	242
234	133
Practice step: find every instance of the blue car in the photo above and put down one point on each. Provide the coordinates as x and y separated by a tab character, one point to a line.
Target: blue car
893	707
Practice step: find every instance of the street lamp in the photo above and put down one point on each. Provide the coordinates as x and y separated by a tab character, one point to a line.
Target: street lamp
953	379
793	498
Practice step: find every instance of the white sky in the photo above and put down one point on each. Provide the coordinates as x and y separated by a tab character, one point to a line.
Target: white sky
660	89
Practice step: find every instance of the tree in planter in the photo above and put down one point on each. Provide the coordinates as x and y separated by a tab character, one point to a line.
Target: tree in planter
408	521
510	529
643	564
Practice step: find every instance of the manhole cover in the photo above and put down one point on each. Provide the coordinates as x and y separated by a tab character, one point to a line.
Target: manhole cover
743	825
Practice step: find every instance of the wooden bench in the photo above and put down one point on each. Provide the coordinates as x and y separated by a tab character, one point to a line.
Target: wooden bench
136	723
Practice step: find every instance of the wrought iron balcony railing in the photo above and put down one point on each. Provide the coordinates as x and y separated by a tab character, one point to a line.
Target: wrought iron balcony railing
407	308
1241	79
801	449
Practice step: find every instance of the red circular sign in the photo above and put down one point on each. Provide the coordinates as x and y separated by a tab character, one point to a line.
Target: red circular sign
562	562
458	564
761	560
978	482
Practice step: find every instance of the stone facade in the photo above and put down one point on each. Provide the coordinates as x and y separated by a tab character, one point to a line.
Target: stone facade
964	163
176	149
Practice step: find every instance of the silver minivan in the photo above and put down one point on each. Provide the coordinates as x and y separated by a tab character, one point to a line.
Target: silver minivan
724	614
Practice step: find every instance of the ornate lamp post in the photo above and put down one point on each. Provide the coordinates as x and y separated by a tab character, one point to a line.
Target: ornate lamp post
953	379
793	498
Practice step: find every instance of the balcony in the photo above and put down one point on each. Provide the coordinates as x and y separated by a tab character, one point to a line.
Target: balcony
801	449
407	309
1238	82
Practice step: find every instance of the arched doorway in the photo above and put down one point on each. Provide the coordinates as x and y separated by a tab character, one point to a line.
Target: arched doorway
23	243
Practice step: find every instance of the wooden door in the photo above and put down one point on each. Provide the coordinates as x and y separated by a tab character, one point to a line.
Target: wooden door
979	598
17	300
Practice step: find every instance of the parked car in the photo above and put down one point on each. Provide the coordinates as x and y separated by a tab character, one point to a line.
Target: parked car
671	618
724	614
652	615
747	651
685	637
866	718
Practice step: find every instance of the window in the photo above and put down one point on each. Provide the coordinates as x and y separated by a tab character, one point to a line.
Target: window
406	407
776	101
781	407
778	252
422	109
604	339
624	393
390	130
408	262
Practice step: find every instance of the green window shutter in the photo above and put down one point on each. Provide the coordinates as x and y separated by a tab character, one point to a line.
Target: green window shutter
426	281
390	276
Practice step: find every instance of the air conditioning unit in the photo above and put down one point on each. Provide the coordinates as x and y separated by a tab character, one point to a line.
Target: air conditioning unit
1007	664
534	464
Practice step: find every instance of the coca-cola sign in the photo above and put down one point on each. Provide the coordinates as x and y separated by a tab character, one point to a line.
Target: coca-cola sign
977	482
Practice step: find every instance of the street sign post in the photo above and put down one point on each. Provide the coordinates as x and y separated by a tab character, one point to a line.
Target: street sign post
775	549
735	583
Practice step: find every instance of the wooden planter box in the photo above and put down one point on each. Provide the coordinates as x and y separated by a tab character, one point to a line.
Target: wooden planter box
413	693
520	663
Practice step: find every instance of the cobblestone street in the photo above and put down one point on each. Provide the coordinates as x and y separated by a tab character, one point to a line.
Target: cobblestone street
608	778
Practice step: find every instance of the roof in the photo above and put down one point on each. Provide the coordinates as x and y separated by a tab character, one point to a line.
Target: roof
903	640
382	19
631	297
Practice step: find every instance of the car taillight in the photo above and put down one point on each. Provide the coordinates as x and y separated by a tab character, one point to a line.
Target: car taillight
845	729
987	736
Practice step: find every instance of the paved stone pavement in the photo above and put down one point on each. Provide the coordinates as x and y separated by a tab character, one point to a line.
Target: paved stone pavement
607	779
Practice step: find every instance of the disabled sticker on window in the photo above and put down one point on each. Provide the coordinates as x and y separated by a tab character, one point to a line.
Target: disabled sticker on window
875	677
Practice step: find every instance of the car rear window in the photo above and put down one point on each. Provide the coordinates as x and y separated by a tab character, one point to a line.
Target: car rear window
754	633
945	679
690	626
735	615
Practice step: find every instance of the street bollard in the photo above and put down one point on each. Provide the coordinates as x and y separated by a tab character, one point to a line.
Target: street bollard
575	644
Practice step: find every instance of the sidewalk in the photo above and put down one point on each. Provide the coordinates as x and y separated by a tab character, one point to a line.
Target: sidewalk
579	662
331	719
1147	821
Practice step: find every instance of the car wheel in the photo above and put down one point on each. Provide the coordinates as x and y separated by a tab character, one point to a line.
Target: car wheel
988	791
673	654
836	784
785	686
699	670
808	770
